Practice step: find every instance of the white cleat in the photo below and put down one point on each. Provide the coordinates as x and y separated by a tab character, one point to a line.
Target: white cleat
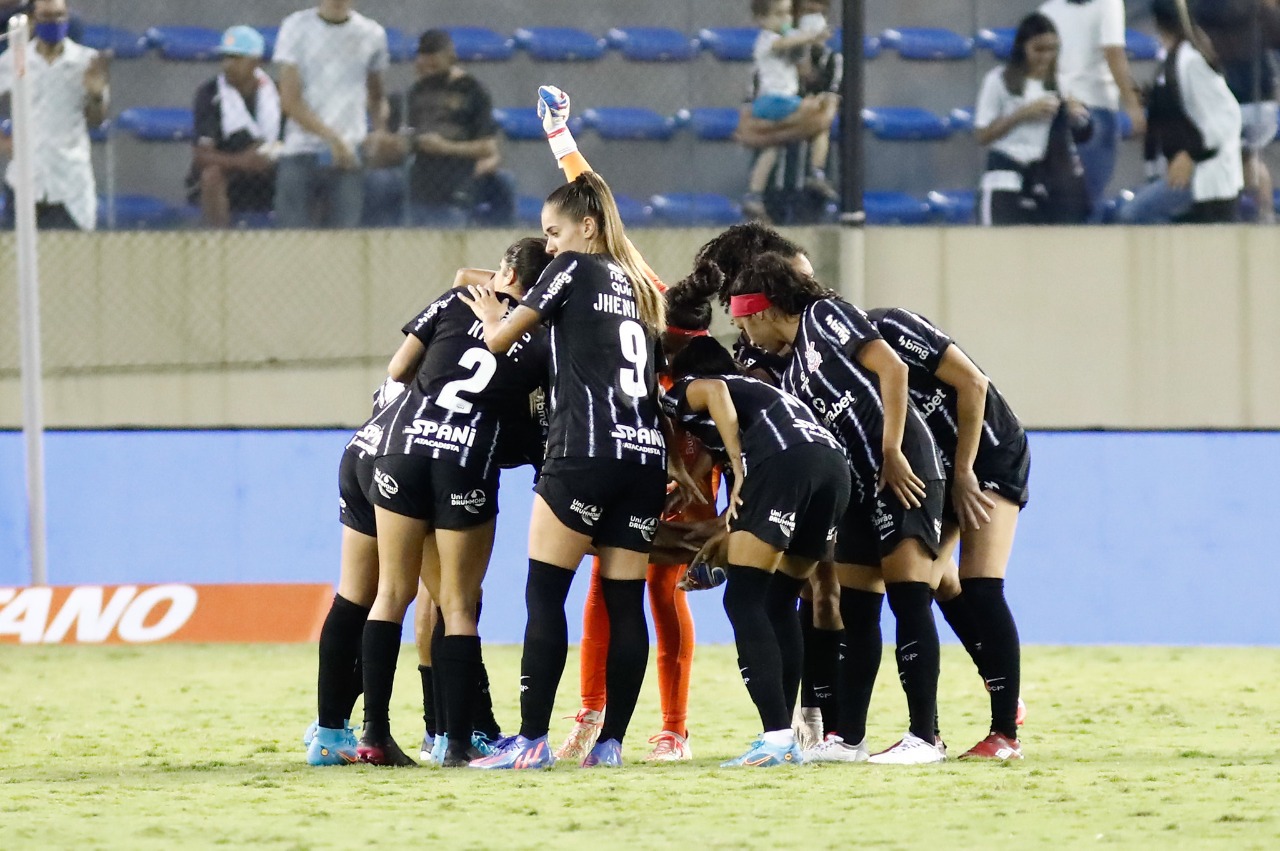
835	749
806	723
669	747
582	738
911	750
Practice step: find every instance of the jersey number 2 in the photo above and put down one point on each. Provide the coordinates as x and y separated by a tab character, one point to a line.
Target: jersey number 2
484	364
635	351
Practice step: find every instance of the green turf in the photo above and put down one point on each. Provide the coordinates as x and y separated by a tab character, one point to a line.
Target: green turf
175	746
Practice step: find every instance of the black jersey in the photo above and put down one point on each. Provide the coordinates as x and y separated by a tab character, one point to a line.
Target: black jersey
368	438
824	373
755	359
465	404
921	345
603	389
769	420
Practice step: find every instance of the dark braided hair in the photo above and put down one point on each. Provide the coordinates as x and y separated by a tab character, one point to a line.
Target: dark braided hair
738	247
689	302
774	275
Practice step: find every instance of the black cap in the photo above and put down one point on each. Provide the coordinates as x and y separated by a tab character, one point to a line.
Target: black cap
435	41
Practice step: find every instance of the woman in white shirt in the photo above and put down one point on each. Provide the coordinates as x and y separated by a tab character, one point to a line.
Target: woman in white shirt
1094	69
1016	109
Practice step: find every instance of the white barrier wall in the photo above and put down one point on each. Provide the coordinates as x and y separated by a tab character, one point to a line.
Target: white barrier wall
1112	327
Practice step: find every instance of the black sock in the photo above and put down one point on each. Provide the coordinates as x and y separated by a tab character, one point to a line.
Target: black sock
546	644
859	659
458	664
759	659
917	653
484	720
628	653
822	665
807	698
966	626
381	647
340	650
1001	651
441	690
428	700
781	603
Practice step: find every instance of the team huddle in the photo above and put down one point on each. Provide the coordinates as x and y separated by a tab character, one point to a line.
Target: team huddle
857	451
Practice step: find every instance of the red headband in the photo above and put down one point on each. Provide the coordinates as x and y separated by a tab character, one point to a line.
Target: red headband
685	332
746	305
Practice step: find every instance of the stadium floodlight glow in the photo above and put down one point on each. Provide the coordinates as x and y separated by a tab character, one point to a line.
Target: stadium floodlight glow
28	297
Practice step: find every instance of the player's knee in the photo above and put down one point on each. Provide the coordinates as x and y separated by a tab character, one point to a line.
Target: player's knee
213	178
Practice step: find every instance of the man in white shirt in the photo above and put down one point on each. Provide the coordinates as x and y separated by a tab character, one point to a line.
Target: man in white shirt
331	62
69	95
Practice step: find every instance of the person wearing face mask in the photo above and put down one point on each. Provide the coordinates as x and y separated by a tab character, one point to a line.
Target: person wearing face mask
69	85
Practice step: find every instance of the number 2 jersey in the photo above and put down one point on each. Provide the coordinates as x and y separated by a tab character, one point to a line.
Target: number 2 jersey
825	374
603	400
466	404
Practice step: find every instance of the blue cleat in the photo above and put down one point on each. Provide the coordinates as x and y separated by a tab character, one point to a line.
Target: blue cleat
482	743
764	755
606	754
438	749
332	747
519	753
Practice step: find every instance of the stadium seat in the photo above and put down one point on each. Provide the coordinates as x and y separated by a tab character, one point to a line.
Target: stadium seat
158	123
269	35
560	44
185	44
481	44
998	40
894	208
729	44
1141	46
400	45
905	123
1125	123
134	212
529	211
99	133
710	123
960	120
681	209
123	43
870	43
953	206
652	44
635	213
628	122
523	123
928	43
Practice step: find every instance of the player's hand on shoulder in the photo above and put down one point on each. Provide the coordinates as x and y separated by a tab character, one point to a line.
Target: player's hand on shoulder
484	303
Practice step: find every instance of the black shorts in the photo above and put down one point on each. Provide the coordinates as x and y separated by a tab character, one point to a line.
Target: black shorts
793	500
1004	473
246	191
445	494
355	472
873	528
616	502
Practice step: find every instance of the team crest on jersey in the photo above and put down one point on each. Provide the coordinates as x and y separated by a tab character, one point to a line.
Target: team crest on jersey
812	358
387	486
648	526
471	502
590	514
786	520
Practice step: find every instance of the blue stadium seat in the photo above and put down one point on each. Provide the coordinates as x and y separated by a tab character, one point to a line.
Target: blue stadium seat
269	35
894	208
905	123
1141	46
560	44
522	122
481	44
134	212
186	44
953	206
998	40
635	213
652	44
710	123
729	44
1126	124
960	120
870	43
928	43
629	122
529	211
158	123
123	43
400	45
99	133
681	209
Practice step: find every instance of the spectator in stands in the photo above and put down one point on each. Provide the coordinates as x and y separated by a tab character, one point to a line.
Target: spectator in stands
1243	34
69	95
9	9
1093	68
778	49
237	129
1193	124
448	134
1033	175
331	90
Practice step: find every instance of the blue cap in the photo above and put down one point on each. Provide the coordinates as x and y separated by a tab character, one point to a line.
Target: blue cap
242	41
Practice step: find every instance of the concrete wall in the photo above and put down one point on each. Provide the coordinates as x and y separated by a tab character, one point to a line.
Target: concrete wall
1113	327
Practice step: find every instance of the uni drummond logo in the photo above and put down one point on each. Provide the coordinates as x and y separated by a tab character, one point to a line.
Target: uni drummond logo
30	616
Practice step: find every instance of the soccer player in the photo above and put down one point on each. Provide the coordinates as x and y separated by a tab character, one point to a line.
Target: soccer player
790	486
435	482
887	540
605	475
987	458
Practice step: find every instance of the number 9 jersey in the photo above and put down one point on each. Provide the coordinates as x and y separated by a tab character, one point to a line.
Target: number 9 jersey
603	386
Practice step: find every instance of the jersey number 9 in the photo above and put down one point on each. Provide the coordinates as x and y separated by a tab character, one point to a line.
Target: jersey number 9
635	350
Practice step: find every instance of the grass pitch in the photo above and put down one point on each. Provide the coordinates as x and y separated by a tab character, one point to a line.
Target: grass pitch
193	746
